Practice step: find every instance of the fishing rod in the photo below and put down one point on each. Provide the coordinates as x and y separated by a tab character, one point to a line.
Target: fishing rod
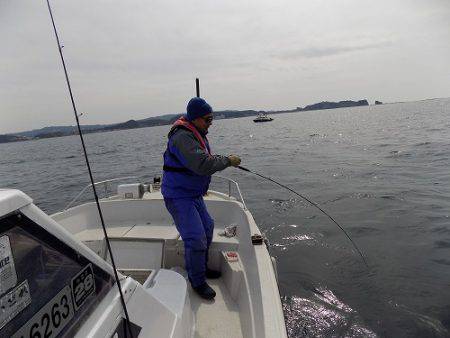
313	204
122	299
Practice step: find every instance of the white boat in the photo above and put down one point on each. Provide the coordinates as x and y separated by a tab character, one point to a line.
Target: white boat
262	117
57	271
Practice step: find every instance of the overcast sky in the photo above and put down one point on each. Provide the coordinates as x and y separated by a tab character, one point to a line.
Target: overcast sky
135	59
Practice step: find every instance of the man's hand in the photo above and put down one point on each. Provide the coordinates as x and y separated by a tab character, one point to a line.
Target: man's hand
234	160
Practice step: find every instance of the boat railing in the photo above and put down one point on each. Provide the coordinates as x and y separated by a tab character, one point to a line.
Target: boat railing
230	184
105	187
106	183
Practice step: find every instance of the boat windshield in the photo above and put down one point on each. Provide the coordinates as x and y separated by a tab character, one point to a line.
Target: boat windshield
47	289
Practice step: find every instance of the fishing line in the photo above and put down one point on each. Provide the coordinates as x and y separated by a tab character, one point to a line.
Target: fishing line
122	299
313	204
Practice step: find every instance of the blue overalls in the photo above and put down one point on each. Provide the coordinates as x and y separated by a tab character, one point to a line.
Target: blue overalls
183	192
196	227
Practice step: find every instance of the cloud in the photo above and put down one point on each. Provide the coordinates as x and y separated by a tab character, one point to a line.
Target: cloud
133	59
326	51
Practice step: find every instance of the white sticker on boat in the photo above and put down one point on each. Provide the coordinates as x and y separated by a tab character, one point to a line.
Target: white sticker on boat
8	275
13	302
83	285
51	319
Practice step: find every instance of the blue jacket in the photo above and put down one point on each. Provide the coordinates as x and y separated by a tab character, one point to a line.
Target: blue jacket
188	162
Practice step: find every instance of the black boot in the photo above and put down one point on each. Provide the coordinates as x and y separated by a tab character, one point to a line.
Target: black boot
205	291
212	274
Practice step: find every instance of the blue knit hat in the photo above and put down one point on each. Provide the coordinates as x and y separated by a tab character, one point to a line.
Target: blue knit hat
197	107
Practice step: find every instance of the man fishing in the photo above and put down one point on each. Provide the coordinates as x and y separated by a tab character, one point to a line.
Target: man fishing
188	166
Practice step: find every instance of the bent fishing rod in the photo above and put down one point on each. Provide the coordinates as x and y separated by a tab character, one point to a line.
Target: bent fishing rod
313	204
197	87
122	299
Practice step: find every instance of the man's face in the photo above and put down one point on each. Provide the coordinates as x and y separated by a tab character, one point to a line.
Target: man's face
204	122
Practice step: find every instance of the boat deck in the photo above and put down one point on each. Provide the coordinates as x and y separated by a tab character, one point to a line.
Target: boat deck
149	231
148	247
210	315
217	318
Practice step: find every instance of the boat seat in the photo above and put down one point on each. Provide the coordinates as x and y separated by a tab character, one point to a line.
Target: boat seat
131	230
170	288
94	238
162	231
139	275
96	234
136	253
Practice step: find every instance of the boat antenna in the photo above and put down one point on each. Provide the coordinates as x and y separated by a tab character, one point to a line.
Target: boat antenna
124	306
313	204
197	86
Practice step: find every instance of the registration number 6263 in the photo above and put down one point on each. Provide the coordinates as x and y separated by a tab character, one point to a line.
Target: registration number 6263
51	319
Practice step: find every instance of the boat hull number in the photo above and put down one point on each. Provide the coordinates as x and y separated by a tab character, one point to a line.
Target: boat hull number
51	319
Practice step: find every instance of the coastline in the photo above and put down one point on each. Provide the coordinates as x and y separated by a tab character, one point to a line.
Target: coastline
62	131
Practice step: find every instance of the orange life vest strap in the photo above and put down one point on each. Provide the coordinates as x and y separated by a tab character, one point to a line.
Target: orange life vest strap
183	122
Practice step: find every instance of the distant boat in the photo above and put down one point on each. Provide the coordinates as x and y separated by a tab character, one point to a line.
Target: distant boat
262	118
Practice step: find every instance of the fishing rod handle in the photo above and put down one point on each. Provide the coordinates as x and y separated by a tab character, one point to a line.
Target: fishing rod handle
243	168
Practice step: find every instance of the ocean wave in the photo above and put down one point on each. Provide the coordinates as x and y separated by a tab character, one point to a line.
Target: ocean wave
289	241
422	144
431	324
322	316
441	229
398	154
441	261
388	197
363	230
442	244
101	153
283	205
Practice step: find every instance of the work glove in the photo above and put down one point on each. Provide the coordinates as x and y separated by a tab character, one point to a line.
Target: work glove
234	160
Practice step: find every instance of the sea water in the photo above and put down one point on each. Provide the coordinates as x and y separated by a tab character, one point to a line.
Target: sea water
382	172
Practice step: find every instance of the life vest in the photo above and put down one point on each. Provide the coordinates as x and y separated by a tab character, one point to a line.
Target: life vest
183	122
178	181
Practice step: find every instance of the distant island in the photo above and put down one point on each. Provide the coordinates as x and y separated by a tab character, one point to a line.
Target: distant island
12	138
333	105
59	131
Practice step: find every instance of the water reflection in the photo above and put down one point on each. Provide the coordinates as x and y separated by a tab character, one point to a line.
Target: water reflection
324	315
